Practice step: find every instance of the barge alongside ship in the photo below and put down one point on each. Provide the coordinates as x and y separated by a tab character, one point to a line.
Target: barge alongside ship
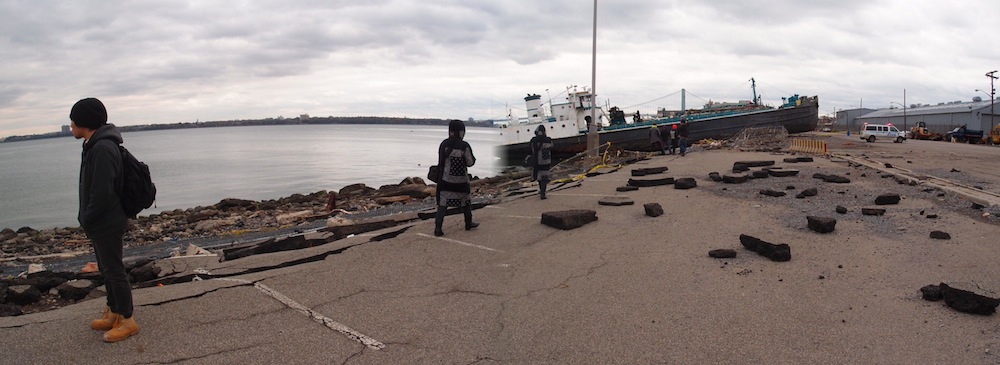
568	125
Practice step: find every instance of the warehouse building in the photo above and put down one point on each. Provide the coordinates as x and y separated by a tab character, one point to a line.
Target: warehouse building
940	118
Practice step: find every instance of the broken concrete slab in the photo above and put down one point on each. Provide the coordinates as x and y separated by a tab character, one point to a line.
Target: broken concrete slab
642	183
626	188
648	171
568	219
940	235
653	209
722	253
807	193
757	163
341	231
782	172
759	174
616	201
779	252
715	176
773	193
301	241
887	199
931	293
968	302
821	224
841	210
872	211
75	289
685	183
734	179
837	179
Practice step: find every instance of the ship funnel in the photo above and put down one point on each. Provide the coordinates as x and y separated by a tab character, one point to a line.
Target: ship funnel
533	103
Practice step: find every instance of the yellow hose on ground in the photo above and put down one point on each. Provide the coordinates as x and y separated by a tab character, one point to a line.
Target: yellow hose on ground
603	164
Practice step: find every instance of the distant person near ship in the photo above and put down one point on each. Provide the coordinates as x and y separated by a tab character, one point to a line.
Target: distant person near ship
673	140
101	215
541	150
682	133
454	188
655	140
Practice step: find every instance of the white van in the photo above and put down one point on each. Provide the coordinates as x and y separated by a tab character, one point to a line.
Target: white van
871	132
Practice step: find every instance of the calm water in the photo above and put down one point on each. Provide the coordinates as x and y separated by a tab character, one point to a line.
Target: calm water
200	167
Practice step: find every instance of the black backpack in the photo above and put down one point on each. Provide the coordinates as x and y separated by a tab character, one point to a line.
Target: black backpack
138	191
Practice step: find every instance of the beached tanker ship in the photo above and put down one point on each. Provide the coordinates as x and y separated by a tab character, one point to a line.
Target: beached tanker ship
569	123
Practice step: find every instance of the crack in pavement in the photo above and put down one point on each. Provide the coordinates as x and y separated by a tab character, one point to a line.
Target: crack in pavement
326	321
185	359
199	295
300	261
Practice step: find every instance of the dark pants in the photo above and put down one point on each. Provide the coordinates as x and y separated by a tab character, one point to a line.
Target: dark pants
443	211
108	249
684	142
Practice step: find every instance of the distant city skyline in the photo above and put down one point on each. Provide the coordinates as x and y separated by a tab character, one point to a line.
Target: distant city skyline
180	61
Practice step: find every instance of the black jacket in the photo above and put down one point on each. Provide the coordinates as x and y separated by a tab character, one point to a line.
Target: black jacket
100	181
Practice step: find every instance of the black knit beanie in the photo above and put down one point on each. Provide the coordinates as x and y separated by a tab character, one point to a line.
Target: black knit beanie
89	113
456	126
456	129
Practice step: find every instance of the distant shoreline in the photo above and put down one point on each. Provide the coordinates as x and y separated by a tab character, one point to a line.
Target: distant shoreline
304	120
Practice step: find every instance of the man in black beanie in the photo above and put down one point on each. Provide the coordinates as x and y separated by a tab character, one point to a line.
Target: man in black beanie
101	214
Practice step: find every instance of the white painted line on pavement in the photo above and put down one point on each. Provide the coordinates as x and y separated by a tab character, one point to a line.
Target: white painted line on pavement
519	216
598	195
459	242
326	321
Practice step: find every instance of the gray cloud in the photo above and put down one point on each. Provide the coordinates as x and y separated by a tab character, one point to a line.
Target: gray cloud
184	60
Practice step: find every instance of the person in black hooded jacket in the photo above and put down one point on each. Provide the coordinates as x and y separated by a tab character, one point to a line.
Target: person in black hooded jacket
101	215
453	187
541	150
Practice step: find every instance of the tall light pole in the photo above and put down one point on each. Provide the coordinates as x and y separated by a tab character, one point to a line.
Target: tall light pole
593	140
992	76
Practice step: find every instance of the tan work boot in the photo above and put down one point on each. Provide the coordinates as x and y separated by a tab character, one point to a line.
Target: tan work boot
106	322
124	327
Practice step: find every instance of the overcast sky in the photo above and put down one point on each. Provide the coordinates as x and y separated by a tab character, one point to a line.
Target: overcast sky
182	61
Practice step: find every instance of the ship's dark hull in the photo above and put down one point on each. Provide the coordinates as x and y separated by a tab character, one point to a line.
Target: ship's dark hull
802	118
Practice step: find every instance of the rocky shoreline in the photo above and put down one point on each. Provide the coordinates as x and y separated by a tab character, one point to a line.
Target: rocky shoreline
231	217
40	289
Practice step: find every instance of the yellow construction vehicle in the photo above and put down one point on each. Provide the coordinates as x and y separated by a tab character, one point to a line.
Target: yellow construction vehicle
920	132
994	137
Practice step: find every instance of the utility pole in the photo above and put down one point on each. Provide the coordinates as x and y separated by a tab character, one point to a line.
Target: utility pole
992	76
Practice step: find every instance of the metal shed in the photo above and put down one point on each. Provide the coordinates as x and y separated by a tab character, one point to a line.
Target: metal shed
940	118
